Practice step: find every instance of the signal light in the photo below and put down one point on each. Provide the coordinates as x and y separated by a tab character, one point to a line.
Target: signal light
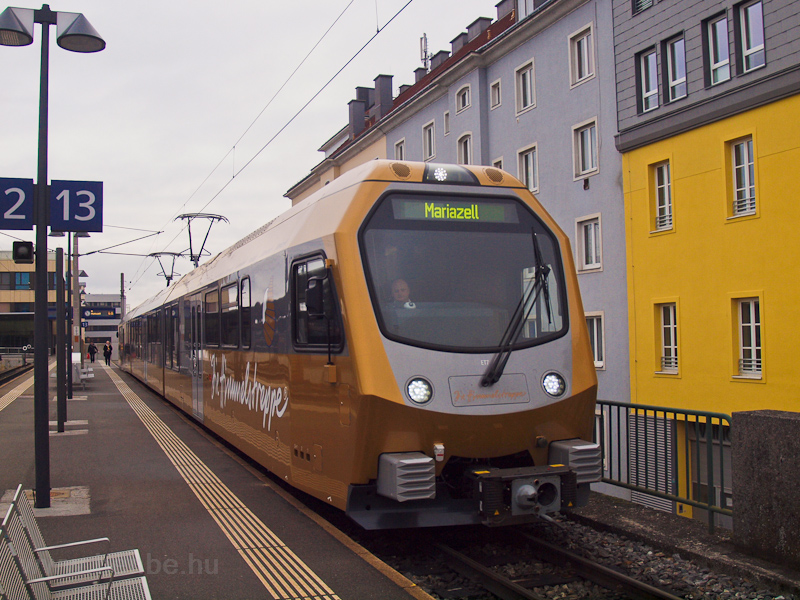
23	253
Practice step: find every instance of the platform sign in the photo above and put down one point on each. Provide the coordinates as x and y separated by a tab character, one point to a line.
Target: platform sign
76	205
16	203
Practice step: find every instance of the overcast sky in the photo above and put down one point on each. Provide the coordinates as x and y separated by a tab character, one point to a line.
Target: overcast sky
164	104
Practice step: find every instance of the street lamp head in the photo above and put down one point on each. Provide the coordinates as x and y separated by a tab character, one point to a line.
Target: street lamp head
55	234
76	34
16	27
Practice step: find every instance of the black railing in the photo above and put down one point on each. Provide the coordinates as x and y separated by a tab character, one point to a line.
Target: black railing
658	451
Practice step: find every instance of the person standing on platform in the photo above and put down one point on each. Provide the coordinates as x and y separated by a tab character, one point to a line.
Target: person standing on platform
107	353
92	351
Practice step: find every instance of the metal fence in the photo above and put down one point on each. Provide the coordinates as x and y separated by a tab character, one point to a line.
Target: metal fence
667	454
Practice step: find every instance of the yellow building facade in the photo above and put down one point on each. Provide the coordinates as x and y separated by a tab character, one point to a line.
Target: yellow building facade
712	243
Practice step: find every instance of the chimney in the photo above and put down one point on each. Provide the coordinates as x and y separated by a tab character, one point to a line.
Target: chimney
358	113
477	27
366	95
458	42
504	7
383	96
419	73
404	88
439	58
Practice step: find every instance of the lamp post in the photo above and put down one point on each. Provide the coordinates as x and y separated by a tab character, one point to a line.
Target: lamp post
76	34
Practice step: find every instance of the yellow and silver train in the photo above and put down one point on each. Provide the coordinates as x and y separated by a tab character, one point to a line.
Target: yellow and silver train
408	344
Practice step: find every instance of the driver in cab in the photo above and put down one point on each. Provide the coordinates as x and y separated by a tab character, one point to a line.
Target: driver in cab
401	294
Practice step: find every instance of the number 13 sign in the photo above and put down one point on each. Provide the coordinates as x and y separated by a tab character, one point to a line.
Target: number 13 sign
74	205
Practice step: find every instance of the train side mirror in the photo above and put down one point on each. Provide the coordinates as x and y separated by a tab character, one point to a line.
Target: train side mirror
315	298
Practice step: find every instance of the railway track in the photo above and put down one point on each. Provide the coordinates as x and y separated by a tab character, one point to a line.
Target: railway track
618	584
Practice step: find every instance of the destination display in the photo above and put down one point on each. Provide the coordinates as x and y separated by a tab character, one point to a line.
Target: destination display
406	209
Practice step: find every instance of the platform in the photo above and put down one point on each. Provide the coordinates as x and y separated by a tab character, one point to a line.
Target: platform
132	468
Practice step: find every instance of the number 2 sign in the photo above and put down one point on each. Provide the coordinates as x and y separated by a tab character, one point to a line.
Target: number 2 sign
76	205
16	203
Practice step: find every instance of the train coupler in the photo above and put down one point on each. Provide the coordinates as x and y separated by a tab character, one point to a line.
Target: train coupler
523	494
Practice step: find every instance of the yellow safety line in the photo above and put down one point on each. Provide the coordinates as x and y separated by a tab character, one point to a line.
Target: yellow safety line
282	573
20	389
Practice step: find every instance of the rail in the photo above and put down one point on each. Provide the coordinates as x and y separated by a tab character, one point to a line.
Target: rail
676	455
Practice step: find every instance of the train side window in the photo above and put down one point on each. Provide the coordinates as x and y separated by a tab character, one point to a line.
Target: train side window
211	317
309	330
244	303
230	315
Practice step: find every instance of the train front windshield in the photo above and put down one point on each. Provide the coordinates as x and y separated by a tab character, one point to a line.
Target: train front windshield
450	273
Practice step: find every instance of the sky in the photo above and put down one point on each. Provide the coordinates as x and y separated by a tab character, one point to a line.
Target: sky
192	108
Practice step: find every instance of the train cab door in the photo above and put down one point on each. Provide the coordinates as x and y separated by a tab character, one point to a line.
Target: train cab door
196	353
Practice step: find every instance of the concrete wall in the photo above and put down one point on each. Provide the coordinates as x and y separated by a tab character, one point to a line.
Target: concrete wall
766	477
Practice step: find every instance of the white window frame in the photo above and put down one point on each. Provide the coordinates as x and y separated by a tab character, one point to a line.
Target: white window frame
596	325
524	8
752	36
640	5
465	148
584	139
668	321
743	171
429	140
581	56
400	149
662	180
589	236
528	167
463	98
648	79
497	163
495	95
446	123
749	319
525	87
719	51
675	52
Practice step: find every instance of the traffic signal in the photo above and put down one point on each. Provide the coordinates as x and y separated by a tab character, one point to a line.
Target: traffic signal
23	253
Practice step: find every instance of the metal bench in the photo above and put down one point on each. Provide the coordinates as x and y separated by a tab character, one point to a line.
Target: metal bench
37	575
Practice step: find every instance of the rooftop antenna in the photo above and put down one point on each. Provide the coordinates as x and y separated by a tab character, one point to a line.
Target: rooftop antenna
195	257
171	275
424	56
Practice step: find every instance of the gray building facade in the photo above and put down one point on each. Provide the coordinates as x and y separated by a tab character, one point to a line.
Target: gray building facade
534	93
681	64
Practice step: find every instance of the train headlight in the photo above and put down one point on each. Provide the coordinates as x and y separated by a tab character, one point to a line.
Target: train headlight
419	390
554	384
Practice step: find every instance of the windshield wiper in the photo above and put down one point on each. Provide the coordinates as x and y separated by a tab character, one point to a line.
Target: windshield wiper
538	284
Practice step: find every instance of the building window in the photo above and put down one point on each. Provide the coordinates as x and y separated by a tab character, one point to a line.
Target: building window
400	150
462	99
447	122
497	163
524	8
719	67
749	310
465	149
669	338
640	5
585	148
676	68
744	187
594	323
663	196
589	244
23	281
428	141
496	98
581	56
529	168
525	87
648	80
751	36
